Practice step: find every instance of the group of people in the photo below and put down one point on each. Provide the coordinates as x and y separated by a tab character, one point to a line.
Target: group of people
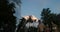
32	25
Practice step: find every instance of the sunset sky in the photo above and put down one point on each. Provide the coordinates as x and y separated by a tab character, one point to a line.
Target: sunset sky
34	7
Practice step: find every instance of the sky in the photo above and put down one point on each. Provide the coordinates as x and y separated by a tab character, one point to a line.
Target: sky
34	7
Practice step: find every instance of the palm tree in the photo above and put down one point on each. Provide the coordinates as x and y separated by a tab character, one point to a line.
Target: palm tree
21	25
7	19
46	16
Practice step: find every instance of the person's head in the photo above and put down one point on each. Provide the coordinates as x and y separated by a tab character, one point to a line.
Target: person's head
39	21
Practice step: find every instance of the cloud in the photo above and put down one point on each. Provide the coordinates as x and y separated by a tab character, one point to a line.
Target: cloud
18	2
